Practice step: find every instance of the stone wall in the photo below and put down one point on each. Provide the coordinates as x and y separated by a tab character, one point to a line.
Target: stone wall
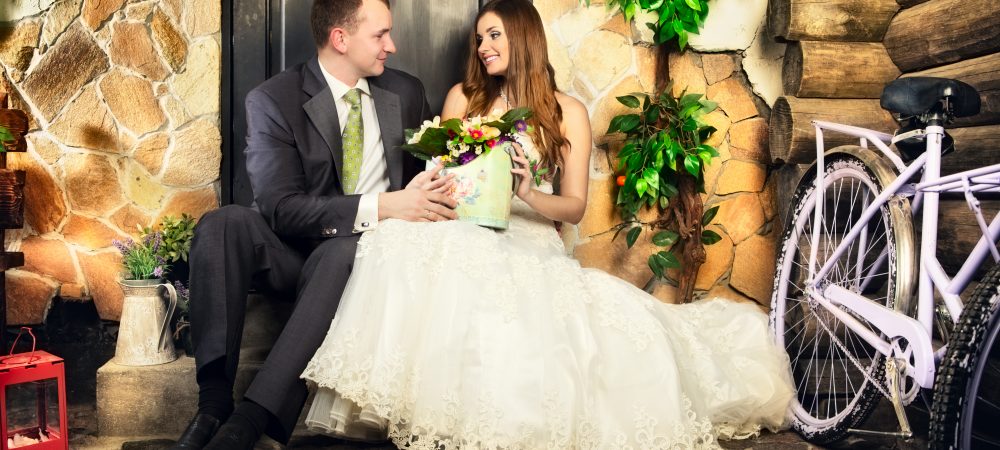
124	100
598	57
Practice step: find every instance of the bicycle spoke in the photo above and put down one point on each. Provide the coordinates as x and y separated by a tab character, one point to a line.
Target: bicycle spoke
984	442
833	367
980	400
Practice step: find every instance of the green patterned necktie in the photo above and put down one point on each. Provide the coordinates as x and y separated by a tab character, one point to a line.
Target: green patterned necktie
353	141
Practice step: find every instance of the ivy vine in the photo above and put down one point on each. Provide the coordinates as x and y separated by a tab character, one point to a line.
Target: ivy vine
675	19
665	145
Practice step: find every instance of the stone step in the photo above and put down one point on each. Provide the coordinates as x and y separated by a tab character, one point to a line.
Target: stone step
153	401
146	401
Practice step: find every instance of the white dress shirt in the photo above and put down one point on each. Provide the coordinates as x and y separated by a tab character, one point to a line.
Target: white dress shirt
374	176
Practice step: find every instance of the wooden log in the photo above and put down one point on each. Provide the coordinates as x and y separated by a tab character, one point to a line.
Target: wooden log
958	230
830	20
983	73
837	69
974	147
943	31
792	135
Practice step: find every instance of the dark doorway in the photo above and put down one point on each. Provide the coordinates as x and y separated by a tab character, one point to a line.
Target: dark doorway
263	37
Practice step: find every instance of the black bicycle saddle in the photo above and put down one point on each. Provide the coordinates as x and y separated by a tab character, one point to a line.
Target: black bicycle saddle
918	95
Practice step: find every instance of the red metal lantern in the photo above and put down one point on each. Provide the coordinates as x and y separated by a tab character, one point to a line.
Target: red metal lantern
32	400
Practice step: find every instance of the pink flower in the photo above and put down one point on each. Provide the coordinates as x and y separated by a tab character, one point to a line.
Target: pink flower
475	134
490	143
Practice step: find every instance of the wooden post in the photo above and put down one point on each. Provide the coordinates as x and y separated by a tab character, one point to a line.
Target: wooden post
792	135
982	73
837	69
830	20
943	31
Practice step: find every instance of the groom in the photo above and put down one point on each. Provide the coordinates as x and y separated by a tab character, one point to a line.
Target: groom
325	165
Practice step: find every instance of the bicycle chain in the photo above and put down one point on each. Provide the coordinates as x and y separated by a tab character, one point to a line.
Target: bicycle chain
850	356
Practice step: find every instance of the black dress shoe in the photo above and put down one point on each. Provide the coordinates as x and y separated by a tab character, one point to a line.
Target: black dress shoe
232	437
198	433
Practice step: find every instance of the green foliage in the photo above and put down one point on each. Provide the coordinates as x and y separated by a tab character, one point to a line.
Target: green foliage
140	259
432	139
177	235
664	142
676	19
5	137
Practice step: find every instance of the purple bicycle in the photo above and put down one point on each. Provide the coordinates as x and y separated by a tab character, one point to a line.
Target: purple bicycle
855	306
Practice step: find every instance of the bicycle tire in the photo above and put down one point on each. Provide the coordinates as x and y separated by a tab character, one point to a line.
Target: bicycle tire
961	375
855	164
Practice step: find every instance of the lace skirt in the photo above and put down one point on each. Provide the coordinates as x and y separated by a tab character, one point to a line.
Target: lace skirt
454	336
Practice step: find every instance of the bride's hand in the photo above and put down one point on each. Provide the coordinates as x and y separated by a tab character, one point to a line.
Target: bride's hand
522	169
431	180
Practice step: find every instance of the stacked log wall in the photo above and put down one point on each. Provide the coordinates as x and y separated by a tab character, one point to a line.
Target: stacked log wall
845	51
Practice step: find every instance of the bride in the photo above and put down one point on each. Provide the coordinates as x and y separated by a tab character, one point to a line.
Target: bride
450	335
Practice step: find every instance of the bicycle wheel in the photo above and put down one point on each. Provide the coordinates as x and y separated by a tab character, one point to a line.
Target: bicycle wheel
966	408
834	370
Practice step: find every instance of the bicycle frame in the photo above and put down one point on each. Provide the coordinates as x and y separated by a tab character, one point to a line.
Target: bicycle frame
892	324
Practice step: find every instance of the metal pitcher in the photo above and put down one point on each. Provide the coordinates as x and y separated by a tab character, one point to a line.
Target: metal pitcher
144	337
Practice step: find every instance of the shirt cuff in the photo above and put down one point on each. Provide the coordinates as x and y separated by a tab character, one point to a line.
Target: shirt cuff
367	218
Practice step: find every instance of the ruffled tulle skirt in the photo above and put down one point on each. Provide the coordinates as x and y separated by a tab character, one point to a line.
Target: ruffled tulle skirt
454	336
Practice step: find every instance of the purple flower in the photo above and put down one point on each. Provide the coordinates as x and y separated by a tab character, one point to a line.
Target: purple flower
158	271
157	241
182	291
521	126
121	246
466	158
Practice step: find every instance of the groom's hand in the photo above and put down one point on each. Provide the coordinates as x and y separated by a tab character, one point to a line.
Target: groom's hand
431	180
416	205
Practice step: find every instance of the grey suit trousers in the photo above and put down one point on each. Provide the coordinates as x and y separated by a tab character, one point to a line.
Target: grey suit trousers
233	250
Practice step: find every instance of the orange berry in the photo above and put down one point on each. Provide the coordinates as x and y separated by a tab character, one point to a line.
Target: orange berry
621	180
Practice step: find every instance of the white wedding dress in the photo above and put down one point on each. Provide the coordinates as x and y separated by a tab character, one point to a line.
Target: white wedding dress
450	335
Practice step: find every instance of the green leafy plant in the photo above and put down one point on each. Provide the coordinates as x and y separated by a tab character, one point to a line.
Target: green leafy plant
676	19
5	137
140	258
661	165
177	235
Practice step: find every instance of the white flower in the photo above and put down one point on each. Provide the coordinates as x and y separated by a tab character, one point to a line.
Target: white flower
473	122
427	124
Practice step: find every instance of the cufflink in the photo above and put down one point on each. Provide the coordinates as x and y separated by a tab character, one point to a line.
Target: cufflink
329	231
364	224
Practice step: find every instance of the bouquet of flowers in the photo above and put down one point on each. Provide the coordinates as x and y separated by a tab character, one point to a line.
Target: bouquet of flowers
483	184
458	142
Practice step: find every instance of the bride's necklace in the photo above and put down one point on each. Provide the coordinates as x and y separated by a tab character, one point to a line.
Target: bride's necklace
503	95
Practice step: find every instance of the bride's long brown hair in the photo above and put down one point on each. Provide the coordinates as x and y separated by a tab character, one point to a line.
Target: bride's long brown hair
530	79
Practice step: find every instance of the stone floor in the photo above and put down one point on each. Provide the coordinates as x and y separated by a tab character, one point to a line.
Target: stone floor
83	436
75	331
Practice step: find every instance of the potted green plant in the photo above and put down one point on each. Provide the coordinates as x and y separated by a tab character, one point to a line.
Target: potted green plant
148	306
661	165
176	235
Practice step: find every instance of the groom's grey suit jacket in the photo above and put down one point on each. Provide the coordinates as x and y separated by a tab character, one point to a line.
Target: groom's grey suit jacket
294	153
294	158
